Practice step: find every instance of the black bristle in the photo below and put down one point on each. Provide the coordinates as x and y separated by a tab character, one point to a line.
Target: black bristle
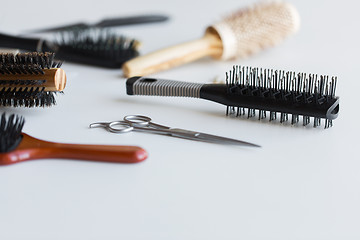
26	97
27	63
10	132
23	92
286	89
95	47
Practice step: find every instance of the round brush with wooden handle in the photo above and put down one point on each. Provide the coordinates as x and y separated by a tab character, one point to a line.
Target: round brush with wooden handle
241	34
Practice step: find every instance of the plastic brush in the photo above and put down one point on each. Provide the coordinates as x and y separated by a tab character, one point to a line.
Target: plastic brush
270	93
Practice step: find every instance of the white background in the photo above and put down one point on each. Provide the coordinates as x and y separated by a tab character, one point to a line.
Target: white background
302	184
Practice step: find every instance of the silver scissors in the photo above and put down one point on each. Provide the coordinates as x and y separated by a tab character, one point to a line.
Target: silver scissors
141	123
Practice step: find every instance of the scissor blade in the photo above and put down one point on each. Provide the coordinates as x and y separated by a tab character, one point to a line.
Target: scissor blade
209	138
224	140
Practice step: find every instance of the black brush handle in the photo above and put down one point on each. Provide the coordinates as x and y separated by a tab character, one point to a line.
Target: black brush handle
29	44
7	41
109	22
112	22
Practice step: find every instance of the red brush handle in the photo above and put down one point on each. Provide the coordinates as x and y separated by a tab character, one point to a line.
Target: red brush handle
31	148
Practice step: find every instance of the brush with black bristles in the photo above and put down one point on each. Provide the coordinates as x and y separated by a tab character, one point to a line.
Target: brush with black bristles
16	146
98	48
249	90
30	79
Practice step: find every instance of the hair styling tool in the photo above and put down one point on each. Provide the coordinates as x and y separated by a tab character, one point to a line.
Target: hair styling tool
241	34
16	146
98	48
109	22
264	90
141	123
30	79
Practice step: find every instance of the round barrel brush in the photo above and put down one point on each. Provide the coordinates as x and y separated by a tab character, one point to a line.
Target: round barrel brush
241	34
16	146
30	79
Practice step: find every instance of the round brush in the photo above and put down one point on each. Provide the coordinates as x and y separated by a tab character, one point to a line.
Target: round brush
240	34
30	79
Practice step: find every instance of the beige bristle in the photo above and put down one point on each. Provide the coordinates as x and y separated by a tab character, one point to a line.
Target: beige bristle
250	30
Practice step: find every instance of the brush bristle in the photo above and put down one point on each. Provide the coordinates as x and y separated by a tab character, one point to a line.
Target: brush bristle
27	97
24	92
250	30
282	89
10	132
95	47
27	63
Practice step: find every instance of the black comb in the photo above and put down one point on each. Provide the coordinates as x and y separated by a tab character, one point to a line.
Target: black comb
23	79
272	93
98	48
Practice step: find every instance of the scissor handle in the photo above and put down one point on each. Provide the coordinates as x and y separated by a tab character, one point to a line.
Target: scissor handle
115	127
140	120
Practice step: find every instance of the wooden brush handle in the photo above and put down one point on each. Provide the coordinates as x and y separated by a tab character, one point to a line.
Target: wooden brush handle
209	45
31	148
55	79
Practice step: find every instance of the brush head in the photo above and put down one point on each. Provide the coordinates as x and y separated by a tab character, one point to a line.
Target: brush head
250	30
93	47
23	91
280	93
10	132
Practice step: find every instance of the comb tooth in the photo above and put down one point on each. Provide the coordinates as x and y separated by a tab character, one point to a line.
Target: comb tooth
227	79
262	114
294	119
333	85
317	122
272	116
306	120
328	123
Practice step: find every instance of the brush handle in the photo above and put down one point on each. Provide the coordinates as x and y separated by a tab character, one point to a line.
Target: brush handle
121	21
109	22
31	148
209	45
30	44
162	87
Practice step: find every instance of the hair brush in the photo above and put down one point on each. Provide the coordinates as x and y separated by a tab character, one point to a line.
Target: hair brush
16	146
30	79
97	48
243	33
267	91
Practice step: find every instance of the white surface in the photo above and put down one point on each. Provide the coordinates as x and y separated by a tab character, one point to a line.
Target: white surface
302	184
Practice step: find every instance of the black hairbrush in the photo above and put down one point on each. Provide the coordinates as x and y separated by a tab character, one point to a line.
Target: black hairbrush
30	79
97	48
251	89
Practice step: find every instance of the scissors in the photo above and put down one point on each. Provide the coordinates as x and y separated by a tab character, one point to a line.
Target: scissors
141	123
